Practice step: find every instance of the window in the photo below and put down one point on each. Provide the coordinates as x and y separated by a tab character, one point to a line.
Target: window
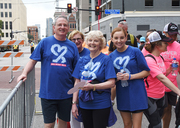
5	5
2	25
148	2
175	2
1	5
90	19
10	6
2	14
143	27
10	25
6	14
10	14
7	34
6	24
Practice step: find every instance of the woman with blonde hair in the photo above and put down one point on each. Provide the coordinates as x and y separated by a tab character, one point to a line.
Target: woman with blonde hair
78	38
94	98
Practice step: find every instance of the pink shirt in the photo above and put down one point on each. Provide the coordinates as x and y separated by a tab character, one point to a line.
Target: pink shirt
156	88
173	51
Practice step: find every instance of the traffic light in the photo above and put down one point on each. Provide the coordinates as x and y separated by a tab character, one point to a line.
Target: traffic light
69	8
97	10
36	30
29	30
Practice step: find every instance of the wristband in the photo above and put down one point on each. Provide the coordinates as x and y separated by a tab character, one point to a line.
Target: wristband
129	76
94	88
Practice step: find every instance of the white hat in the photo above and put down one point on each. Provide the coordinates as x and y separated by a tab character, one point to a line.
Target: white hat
158	36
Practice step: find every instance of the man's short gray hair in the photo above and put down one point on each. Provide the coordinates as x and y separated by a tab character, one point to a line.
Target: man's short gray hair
60	17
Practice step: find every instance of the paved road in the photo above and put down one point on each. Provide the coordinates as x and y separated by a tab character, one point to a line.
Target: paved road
5	89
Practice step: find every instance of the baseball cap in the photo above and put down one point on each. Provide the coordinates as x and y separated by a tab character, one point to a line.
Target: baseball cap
158	36
142	39
121	20
171	28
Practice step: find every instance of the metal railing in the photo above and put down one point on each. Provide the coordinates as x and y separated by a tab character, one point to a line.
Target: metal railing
18	109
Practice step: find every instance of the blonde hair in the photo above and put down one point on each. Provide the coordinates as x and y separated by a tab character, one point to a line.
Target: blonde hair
73	33
96	34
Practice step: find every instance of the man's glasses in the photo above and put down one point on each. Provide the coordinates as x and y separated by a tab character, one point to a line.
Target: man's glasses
78	39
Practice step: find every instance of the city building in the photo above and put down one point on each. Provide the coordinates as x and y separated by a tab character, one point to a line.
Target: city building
14	20
84	18
141	15
72	22
33	30
39	30
49	27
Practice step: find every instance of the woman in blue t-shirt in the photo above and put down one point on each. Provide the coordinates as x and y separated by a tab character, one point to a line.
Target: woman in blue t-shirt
94	99
131	67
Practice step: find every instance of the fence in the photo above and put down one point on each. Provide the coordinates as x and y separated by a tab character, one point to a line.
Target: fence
18	109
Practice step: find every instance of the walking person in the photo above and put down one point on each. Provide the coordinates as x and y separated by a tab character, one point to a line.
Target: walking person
78	38
157	79
131	97
58	57
173	51
94	98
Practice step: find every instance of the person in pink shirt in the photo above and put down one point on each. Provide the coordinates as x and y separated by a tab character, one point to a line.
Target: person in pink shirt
173	51
157	78
144	51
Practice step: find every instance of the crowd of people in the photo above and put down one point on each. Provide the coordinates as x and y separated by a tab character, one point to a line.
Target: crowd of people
136	71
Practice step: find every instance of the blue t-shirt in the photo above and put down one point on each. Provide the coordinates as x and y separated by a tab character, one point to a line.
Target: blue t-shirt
100	68
134	96
58	60
84	52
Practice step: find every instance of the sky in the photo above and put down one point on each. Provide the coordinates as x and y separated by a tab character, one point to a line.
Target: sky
39	10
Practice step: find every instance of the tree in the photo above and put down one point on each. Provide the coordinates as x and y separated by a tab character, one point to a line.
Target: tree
30	37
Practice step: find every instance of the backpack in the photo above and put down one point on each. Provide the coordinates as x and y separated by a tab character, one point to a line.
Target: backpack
149	55
132	39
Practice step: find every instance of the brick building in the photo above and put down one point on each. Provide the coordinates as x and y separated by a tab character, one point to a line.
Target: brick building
33	30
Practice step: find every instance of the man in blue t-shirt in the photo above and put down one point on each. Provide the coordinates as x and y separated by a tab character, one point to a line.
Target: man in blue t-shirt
58	57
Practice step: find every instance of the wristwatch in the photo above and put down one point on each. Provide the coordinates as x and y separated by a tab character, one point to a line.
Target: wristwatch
74	102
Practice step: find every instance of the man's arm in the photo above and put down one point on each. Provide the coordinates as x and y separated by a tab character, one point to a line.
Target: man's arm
29	66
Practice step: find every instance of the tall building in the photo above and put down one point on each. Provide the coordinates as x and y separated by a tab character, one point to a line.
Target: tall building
13	15
141	15
33	30
84	18
49	27
39	30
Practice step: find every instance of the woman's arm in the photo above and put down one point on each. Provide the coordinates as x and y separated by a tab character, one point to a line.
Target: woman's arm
75	100
140	75
127	76
168	83
105	85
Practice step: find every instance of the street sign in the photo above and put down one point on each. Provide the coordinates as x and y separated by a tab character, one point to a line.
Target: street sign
75	9
112	11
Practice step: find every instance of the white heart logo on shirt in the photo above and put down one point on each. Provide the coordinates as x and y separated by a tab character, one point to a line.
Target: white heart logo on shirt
56	53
